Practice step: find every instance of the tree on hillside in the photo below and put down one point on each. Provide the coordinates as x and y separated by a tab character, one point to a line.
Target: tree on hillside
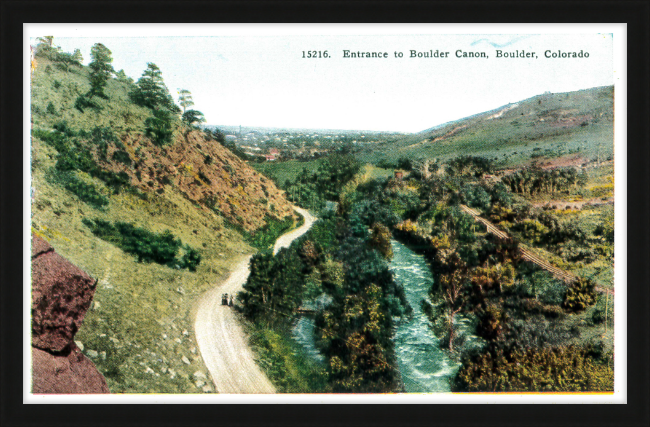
100	69
77	56
159	127
122	77
151	92
185	99
191	117
45	47
48	40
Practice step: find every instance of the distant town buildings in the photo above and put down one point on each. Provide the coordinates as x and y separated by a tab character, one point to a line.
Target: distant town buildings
281	145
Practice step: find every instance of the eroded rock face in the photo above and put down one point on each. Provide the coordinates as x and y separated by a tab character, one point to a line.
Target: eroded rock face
61	296
73	373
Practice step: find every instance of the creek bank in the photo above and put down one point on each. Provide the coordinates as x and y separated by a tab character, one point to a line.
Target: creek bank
424	366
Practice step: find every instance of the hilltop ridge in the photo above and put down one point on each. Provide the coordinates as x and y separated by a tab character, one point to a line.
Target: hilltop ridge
544	126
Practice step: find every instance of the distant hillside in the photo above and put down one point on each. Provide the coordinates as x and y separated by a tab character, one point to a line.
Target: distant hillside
545	126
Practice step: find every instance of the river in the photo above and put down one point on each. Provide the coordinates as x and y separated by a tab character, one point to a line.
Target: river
424	367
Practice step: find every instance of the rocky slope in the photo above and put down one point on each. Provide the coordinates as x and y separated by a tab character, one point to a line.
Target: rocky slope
206	173
194	164
61	295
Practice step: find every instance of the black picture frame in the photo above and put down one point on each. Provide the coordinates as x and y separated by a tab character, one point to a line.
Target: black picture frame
634	13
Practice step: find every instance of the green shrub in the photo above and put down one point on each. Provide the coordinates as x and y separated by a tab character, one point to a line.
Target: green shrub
83	102
191	259
602	312
72	155
102	137
580	295
50	109
71	160
285	363
548	369
87	193
265	237
161	248
159	128
122	157
204	178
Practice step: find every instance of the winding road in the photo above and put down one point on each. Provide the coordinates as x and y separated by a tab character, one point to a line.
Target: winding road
221	339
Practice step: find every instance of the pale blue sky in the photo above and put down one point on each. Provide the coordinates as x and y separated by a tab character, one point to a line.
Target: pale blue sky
262	80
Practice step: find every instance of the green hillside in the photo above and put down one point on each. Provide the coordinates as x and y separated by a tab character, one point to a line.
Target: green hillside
156	219
543	127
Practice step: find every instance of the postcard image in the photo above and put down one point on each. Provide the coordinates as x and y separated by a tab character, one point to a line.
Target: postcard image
285	212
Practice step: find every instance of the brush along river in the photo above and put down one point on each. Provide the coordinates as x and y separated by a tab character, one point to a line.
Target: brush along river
424	366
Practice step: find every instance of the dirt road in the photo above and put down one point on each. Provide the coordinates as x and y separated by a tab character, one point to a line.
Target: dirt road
221	339
285	240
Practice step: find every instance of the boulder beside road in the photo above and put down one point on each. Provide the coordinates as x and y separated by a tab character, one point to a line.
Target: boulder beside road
61	296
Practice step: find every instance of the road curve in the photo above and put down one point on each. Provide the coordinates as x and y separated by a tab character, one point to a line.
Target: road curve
285	240
221	339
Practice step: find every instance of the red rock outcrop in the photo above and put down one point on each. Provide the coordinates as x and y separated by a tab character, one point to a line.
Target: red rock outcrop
73	373
61	295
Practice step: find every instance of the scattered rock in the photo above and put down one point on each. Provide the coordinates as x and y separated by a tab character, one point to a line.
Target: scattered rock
198	375
102	355
207	389
92	354
185	332
193	350
199	384
80	345
185	360
163	370
164	336
96	305
178	340
115	340
180	290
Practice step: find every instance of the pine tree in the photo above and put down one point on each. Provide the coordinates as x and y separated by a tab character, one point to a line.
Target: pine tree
191	117
185	99
159	127
151	91
77	56
46	40
122	77
100	69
